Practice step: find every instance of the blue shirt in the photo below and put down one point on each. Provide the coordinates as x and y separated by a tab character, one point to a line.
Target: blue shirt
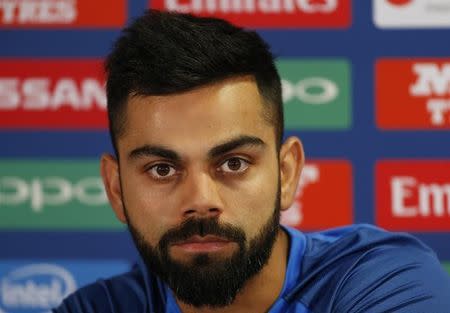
355	269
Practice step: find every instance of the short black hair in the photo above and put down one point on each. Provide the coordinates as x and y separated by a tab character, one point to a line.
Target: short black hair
163	53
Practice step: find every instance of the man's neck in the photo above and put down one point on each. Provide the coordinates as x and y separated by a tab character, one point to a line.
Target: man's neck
261	291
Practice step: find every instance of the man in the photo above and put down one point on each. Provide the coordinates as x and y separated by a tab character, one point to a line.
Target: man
200	176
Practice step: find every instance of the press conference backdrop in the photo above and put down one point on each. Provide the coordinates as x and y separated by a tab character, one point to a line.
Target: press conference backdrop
366	86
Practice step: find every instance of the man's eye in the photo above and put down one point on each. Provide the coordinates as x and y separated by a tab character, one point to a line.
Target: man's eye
162	170
234	165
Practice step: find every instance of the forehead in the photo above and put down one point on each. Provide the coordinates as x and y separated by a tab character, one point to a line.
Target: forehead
197	119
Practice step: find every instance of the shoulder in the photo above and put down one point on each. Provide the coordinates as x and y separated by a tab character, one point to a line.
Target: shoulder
362	268
128	292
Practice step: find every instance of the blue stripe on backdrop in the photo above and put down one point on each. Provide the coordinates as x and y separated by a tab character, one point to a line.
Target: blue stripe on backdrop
66	245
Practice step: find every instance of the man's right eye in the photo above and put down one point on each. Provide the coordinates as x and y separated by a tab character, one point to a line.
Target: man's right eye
162	171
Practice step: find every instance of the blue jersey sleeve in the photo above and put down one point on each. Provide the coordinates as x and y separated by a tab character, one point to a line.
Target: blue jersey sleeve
123	293
394	279
90	299
367	270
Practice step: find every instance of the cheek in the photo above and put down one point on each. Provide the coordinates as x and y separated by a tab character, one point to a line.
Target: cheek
252	202
148	209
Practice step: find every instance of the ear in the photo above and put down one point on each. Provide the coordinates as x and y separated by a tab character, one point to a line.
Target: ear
109	169
291	165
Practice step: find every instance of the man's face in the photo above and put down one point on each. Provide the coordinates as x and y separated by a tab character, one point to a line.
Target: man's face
199	179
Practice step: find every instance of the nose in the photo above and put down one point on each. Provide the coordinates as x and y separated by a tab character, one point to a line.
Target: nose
202	199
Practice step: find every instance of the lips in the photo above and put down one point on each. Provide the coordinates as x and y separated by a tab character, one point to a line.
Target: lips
204	244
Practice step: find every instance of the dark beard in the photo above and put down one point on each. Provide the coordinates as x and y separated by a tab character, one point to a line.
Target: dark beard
209	281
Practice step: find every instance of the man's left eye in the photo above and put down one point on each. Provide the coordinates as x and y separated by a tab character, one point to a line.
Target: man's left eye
234	165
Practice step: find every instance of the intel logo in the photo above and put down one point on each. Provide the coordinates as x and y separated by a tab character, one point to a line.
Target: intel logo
35	288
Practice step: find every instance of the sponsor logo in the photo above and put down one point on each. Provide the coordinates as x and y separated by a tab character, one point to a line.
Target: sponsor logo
39	287
413	94
62	13
411	13
333	178
36	286
53	194
316	94
67	94
267	13
35	191
413	195
399	2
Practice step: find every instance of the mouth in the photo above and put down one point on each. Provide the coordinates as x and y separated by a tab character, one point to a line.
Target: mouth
198	244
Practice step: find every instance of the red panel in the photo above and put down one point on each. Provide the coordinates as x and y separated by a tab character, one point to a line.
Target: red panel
324	197
46	94
264	14
413	195
413	93
63	13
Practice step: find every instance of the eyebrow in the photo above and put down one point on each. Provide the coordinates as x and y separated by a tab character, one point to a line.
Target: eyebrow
151	150
235	143
229	145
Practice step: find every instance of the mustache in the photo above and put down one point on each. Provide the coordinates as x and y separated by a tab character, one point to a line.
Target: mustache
202	227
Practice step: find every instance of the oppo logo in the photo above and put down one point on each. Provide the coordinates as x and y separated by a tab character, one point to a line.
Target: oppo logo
312	90
35	288
51	191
